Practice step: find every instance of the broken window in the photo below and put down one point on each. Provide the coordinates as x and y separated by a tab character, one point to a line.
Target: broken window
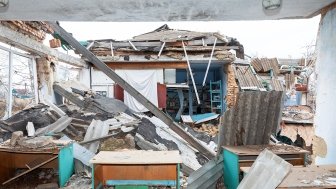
23	89
17	89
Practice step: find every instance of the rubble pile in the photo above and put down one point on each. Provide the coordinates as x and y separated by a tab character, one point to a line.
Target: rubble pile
101	124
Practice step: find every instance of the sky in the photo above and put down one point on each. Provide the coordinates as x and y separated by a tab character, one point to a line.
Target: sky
269	38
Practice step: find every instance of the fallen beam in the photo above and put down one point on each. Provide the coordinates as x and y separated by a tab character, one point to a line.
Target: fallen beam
128	88
23	42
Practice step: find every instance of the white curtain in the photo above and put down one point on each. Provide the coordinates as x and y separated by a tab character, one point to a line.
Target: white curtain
144	81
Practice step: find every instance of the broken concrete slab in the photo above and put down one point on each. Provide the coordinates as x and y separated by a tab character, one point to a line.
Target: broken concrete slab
36	142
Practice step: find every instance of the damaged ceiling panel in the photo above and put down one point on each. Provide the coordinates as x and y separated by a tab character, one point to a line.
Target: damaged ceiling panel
253	119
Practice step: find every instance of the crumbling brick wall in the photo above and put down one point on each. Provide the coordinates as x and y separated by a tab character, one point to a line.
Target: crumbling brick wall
45	72
33	29
232	87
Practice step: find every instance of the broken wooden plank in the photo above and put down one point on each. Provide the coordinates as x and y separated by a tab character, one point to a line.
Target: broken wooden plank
133	92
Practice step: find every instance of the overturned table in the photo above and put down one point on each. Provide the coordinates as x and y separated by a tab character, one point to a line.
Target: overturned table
136	168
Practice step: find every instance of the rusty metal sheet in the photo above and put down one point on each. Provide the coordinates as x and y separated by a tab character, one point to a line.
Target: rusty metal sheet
247	79
255	117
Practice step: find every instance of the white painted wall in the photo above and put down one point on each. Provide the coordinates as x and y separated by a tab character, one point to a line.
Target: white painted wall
325	120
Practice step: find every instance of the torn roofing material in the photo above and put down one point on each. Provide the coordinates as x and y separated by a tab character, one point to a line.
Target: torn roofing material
265	65
247	78
165	34
162	41
253	119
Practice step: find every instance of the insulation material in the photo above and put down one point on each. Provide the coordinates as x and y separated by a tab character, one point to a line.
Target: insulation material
145	82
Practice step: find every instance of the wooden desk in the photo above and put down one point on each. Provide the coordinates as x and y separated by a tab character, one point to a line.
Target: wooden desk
236	157
127	168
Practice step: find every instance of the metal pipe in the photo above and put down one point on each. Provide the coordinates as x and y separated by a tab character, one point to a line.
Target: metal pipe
163	45
191	74
207	70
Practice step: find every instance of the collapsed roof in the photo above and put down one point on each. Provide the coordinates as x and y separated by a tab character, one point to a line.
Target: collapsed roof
164	44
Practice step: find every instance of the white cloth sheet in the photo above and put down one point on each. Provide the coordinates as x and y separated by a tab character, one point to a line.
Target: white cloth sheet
144	81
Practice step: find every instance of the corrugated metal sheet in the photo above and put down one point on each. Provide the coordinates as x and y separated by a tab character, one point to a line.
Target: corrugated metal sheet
289	81
265	65
254	118
247	79
277	85
206	176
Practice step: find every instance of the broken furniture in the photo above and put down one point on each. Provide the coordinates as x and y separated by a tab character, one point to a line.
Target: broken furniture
130	168
236	157
33	159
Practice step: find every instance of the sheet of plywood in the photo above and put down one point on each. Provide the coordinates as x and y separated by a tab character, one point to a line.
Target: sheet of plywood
323	176
137	157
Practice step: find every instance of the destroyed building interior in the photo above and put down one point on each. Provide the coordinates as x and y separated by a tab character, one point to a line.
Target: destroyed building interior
169	108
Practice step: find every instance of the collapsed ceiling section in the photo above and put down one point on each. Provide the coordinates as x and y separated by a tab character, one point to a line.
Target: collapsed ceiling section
151	10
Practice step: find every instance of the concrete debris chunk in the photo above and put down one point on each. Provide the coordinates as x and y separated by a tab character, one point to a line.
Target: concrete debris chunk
16	136
36	142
